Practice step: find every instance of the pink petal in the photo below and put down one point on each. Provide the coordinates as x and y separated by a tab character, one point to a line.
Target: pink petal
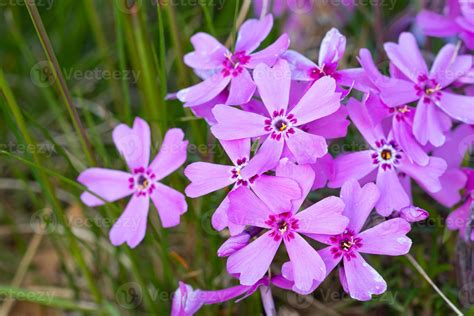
300	65
448	66
407	56
306	262
270	55
208	54
233	123
395	92
434	24
206	178
427	126
266	158
172	154
459	107
332	47
459	141
331	126
452	182
360	117
392	195
131	225
324	170
273	85
362	279
219	219
204	91
387	238
359	202
133	143
242	89
252	33
277	192
171	204
306	147
351	166
428	176
303	174
253	261
319	101
237	149
247	209
109	184
403	134
324	217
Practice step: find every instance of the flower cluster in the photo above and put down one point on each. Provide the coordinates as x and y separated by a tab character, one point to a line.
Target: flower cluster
274	112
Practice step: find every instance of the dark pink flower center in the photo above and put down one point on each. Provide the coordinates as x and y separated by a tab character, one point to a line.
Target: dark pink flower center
400	112
142	181
280	124
345	244
236	173
233	64
325	70
428	89
283	226
387	154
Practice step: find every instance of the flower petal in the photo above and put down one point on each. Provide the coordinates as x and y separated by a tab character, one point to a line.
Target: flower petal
204	91
206	178
269	55
351	166
362	279
303	174
331	126
395	92
131	225
273	85
427	176
433	24
242	89
266	158
403	133
392	195
359	202
246	208
208	54
360	117
171	204
233	123
172	154
133	143
387	238
459	107
252	33
300	65
109	184
323	217
452	182
427	126
253	261
332	47
306	262
319	101
448	66
306	147
237	149
277	192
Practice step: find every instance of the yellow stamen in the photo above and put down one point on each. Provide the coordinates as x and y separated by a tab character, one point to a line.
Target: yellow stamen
283	127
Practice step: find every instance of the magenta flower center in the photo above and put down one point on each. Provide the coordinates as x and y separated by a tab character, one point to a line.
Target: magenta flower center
282	226
428	89
387	155
280	125
400	112
236	173
233	64
325	70
142	181
345	244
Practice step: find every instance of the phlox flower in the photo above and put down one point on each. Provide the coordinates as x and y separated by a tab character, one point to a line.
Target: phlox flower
279	225
385	161
244	172
401	117
331	52
141	181
430	89
458	19
358	278
461	218
220	67
280	129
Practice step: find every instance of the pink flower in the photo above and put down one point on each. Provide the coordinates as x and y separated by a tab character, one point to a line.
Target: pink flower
331	52
389	238
458	19
280	127
436	103
142	181
245	172
283	225
219	67
385	161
